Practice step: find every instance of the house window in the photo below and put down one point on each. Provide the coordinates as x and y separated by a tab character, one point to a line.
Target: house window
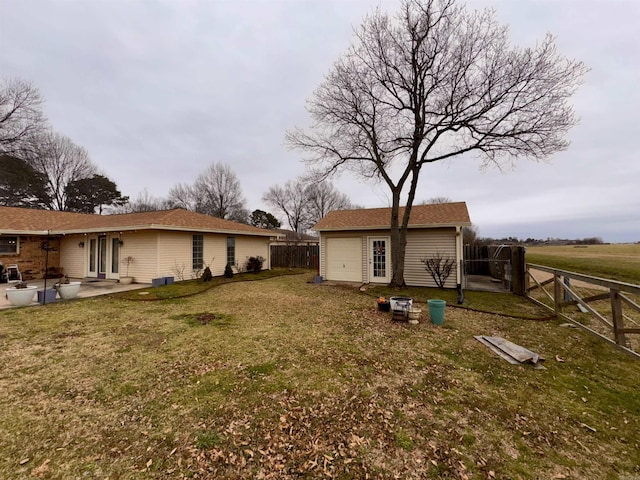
9	245
231	250
198	255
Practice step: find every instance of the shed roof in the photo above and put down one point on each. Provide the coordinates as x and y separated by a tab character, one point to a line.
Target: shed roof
422	216
15	220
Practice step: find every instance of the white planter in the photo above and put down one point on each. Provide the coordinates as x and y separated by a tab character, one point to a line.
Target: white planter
21	297
126	280
401	303
68	290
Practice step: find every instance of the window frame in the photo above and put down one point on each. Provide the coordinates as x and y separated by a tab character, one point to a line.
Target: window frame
8	238
231	251
197	251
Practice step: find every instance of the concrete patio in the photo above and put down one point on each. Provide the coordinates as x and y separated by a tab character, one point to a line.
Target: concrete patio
90	287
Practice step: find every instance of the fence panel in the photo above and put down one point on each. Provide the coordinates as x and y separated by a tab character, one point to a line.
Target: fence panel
606	308
295	256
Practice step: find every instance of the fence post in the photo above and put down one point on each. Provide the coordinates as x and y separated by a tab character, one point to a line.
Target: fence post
518	271
618	321
557	293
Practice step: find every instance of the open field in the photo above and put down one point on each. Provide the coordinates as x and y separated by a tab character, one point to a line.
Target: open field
281	378
615	262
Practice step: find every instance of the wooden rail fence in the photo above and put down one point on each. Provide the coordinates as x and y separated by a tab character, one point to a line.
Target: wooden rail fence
563	294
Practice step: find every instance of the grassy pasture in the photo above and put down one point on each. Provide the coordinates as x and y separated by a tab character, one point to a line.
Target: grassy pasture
615	262
281	378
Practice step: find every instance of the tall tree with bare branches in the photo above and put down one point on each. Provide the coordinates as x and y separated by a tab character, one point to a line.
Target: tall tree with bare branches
323	197
435	82
21	116
290	200
61	161
218	193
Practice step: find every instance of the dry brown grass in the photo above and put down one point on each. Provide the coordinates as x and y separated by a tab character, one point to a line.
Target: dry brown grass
287	379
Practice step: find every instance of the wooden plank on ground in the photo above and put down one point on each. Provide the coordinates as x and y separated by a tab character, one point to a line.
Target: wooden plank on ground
514	354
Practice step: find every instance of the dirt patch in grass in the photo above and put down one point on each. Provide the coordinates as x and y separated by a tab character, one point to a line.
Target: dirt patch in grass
306	381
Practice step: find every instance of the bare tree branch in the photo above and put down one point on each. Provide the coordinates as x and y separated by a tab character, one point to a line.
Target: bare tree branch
435	82
20	116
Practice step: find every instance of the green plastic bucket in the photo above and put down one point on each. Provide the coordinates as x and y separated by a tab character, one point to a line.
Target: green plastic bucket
436	311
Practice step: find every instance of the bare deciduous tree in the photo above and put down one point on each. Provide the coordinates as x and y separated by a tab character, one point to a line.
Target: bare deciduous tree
323	198
435	82
20	116
437	201
470	236
62	162
218	193
183	196
291	200
144	202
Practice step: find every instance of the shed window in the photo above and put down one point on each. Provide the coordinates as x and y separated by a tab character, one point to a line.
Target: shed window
198	256
231	250
9	245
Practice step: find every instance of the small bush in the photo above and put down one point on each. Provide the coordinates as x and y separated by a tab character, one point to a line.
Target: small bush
228	271
254	264
206	275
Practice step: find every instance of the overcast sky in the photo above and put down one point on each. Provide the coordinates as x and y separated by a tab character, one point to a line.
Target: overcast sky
158	90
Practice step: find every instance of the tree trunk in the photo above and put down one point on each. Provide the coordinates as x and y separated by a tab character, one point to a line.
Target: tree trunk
399	229
398	243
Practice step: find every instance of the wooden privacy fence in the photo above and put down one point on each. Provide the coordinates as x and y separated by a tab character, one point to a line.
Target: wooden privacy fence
501	262
609	303
295	256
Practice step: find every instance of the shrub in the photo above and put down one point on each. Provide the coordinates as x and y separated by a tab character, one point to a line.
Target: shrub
439	268
206	275
254	264
228	271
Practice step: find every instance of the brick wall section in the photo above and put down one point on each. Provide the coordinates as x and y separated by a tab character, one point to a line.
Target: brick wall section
31	260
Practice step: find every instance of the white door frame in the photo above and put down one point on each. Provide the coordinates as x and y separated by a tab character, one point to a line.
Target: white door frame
93	247
379	260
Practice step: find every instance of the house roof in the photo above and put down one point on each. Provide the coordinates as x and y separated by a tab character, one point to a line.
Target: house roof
422	216
50	222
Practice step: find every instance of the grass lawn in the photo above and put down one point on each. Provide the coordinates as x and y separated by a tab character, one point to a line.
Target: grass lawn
615	262
282	378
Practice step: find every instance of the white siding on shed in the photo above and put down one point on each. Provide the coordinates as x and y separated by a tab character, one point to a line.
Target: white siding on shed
427	243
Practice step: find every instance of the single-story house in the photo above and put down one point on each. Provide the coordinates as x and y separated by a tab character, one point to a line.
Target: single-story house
355	244
171	243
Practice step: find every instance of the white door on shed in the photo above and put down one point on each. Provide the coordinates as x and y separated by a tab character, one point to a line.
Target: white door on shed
379	260
344	259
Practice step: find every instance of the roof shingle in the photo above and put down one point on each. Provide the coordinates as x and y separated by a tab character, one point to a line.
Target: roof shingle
17	220
425	216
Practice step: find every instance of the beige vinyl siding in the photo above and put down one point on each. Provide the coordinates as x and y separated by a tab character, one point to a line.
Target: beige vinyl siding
143	247
73	257
174	255
251	247
215	253
426	243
